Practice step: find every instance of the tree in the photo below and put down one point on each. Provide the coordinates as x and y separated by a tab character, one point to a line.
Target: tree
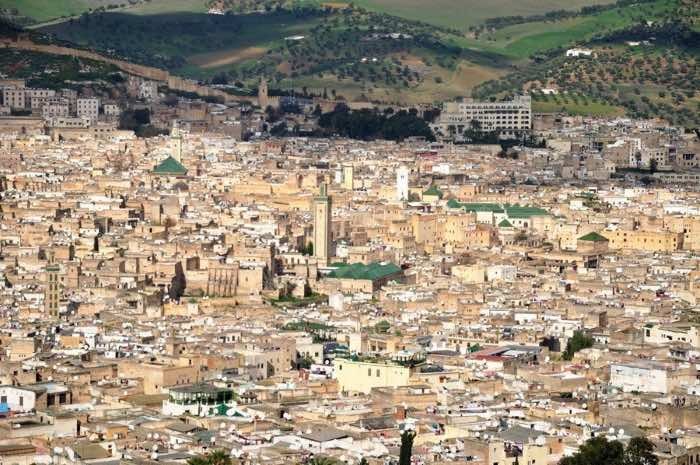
653	166
322	460
382	327
640	451
577	342
305	362
406	447
597	451
218	457
308	250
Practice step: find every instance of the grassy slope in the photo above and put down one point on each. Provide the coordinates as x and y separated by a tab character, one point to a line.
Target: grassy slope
522	40
218	50
169	6
454	83
46	10
460	14
593	108
201	39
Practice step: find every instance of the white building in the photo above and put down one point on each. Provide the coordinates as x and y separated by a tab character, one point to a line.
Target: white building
645	376
55	108
112	109
14	98
402	183
579	52
39	95
674	333
18	399
88	108
507	118
198	399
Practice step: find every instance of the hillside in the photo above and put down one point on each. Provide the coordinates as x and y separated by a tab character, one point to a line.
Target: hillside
364	52
463	14
39	11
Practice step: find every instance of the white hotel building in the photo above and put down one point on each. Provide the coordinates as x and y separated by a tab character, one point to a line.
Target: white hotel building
508	118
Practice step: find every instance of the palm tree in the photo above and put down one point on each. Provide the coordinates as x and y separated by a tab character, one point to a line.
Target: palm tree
323	460
218	457
406	447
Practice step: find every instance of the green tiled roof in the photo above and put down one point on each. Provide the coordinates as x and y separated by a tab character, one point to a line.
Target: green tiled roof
505	224
512	211
593	237
517	211
170	166
476	207
433	190
373	271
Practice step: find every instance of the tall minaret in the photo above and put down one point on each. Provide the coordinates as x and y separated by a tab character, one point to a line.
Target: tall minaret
263	99
322	226
52	293
176	139
348	177
402	183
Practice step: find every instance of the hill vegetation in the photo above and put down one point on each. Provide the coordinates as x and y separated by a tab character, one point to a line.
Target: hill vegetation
378	50
656	76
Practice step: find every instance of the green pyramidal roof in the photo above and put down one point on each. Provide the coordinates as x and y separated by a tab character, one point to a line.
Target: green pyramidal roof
505	224
593	237
360	271
170	166
433	190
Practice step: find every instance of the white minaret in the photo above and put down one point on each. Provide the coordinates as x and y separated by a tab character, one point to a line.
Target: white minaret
176	139
402	183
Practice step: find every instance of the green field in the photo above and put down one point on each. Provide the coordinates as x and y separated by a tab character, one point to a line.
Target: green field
44	10
47	10
168	6
460	14
591	109
522	40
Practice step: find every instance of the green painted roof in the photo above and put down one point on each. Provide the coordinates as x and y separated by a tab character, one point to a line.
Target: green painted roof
517	211
593	237
433	190
373	271
505	224
170	166
512	211
476	207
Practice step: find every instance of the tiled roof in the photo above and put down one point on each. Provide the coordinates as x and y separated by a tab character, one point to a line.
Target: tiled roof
513	211
433	190
373	271
593	237
170	166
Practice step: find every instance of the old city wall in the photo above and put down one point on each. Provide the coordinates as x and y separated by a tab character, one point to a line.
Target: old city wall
146	72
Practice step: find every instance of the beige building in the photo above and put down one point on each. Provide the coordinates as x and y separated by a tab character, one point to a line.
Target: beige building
647	241
362	376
